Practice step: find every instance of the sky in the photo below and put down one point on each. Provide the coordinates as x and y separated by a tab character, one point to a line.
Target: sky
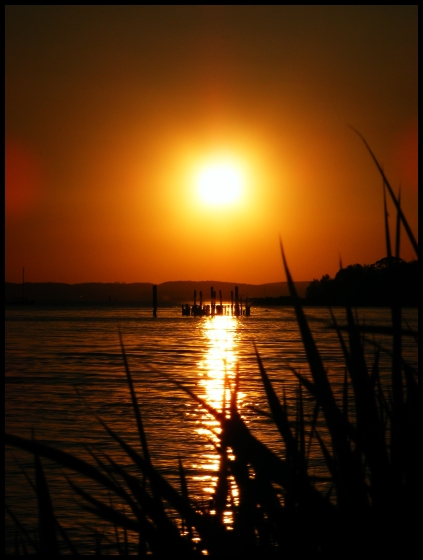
114	113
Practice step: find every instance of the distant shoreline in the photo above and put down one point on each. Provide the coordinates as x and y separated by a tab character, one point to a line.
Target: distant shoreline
168	293
361	286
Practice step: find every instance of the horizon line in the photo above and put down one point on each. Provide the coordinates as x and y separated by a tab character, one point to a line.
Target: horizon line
152	283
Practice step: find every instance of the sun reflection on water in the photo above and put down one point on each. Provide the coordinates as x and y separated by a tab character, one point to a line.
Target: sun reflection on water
217	375
218	367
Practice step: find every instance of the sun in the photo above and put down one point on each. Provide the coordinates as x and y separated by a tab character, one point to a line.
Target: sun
220	183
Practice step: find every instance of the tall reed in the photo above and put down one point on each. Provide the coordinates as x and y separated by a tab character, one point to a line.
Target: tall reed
369	449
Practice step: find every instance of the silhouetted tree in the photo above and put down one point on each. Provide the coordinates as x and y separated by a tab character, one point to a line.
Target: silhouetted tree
367	285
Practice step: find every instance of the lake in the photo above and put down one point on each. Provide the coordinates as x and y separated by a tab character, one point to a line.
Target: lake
64	366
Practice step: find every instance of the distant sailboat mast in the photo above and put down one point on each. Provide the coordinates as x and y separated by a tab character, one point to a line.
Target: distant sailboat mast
22	300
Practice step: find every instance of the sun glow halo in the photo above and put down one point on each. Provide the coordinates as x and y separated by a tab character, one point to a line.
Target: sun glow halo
220	183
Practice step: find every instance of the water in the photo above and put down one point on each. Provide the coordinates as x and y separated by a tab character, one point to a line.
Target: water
64	366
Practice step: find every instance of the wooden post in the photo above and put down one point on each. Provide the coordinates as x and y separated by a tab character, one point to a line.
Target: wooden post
154	300
236	302
232	302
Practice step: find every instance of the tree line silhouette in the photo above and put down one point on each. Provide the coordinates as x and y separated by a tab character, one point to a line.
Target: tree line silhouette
368	285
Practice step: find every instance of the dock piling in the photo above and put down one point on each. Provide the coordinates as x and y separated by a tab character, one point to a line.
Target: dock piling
154	300
237	308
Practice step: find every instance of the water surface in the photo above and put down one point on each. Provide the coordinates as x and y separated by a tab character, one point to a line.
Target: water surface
65	365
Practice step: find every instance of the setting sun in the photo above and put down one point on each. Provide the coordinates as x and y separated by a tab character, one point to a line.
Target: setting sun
220	183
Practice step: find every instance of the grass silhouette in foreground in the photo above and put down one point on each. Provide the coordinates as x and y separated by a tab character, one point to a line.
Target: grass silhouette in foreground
369	448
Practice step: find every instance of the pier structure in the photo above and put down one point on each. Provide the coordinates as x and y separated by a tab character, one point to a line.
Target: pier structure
235	309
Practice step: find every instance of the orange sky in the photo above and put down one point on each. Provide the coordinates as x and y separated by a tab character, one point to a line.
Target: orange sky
110	111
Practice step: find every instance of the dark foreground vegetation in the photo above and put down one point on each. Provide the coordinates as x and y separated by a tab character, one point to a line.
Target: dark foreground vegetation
367	438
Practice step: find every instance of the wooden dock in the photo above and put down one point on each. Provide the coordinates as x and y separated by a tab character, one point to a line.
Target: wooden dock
235	309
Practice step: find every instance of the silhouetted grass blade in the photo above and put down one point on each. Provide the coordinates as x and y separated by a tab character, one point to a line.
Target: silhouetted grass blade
278	414
352	494
185	496
63	458
398	229
20	527
135	404
391	192
217	415
387	235
46	518
105	511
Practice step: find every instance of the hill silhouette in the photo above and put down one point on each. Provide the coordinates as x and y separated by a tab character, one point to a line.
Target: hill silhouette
169	293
